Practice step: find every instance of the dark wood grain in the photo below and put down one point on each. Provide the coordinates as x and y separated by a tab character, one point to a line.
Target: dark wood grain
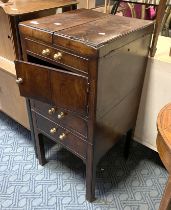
36	81
21	10
35	28
98	33
73	143
47	85
10	48
115	50
69	120
71	89
62	21
67	60
39	142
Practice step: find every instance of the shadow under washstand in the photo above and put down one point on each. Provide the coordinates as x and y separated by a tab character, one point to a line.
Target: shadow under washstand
113	171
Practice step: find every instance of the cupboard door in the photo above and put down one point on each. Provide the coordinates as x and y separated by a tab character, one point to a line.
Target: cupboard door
33	81
61	88
69	91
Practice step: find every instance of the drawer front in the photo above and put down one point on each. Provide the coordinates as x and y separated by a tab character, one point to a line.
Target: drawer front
57	55
61	116
54	86
62	136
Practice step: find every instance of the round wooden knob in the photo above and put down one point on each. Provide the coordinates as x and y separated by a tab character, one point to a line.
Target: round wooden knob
57	56
53	130
19	80
46	52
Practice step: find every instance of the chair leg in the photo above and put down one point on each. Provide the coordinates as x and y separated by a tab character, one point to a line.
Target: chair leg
165	202
127	143
115	6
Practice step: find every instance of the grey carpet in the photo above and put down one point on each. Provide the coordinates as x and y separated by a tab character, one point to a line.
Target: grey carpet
135	184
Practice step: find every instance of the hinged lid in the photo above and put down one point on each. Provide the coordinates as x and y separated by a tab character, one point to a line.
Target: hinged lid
99	32
86	28
43	28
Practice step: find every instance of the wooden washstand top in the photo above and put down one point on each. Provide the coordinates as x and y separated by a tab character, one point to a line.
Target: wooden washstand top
20	7
92	29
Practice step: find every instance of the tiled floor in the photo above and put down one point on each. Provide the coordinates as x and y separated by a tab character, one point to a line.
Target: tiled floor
135	184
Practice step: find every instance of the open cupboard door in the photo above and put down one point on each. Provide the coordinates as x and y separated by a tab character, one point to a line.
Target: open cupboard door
33	81
61	88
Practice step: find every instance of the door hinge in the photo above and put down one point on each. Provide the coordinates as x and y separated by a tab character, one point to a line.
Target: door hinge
87	109
88	87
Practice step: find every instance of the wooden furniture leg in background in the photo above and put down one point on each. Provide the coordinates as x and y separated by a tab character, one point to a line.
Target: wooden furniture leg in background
160	14
40	147
164	149
87	4
105	8
127	143
165	202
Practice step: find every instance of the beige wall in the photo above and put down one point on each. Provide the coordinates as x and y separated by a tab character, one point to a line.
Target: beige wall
156	93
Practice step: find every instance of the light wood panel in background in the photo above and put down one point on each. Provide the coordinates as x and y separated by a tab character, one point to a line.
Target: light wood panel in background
11	102
6	38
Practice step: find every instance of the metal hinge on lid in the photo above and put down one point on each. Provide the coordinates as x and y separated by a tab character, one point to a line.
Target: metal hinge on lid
87	109
88	87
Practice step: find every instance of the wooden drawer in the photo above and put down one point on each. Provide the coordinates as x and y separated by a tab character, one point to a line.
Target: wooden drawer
57	55
63	136
54	86
61	116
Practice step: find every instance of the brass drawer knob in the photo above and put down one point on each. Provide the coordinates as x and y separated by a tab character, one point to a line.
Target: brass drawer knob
51	111
61	115
19	80
53	130
57	56
62	136
46	52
